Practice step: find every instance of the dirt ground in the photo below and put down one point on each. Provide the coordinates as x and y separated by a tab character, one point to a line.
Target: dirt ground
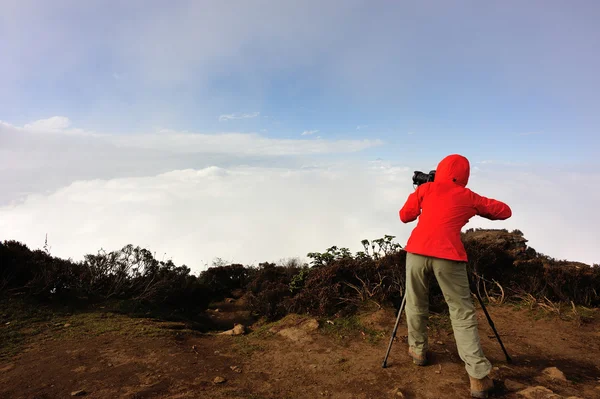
112	356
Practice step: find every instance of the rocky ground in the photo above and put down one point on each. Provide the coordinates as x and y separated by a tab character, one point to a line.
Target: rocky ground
104	355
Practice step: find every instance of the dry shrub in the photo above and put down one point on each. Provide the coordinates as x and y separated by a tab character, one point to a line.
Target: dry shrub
343	285
130	276
269	288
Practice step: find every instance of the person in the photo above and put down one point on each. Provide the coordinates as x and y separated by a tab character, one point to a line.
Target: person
434	247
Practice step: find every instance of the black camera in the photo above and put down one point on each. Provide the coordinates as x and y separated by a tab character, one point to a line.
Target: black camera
420	177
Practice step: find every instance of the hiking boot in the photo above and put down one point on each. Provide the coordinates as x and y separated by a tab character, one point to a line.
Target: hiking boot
481	388
418	360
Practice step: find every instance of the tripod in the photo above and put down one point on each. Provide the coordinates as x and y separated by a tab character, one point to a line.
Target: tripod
489	319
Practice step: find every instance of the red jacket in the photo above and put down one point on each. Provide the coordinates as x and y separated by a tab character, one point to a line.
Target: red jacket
445	206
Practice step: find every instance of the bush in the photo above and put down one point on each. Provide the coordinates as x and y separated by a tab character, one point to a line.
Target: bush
130	274
500	265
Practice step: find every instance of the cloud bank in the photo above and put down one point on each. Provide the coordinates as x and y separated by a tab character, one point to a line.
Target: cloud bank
48	154
250	198
254	214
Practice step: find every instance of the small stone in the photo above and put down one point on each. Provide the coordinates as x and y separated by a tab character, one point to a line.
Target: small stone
439	342
237	369
538	392
514	386
555	373
109	364
81	392
238	329
67	325
219	380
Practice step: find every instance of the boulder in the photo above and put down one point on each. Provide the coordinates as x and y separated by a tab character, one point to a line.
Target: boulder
555	373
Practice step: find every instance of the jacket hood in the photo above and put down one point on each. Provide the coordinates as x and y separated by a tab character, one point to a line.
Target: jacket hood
455	168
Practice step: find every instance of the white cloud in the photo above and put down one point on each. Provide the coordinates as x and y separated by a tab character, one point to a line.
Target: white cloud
254	214
309	132
503	163
55	123
42	156
247	197
228	117
238	143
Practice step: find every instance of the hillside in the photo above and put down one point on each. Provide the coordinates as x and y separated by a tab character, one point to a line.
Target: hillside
125	325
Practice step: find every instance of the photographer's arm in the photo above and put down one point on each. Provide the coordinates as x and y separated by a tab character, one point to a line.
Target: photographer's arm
411	209
491	209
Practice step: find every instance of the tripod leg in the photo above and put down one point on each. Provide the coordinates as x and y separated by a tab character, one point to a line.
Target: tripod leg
384	365
489	319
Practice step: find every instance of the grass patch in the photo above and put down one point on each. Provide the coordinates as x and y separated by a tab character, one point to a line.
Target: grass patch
22	322
350	327
546	309
245	345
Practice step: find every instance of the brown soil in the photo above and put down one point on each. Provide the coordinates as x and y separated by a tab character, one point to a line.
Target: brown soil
143	360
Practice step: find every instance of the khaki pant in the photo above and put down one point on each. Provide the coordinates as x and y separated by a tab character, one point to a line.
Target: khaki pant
452	279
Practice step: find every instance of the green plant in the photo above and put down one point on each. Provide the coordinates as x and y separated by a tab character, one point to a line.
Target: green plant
299	279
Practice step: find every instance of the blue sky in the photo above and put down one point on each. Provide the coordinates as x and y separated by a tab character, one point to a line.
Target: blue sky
508	83
457	71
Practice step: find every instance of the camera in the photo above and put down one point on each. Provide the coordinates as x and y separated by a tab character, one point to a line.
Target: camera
420	177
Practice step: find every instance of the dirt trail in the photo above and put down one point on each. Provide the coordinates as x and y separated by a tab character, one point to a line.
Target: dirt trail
295	358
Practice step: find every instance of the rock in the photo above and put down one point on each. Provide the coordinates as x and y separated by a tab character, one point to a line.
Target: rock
379	320
555	373
237	369
310	325
301	332
219	380
67	325
81	392
514	386
439	342
238	329
397	393
538	392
